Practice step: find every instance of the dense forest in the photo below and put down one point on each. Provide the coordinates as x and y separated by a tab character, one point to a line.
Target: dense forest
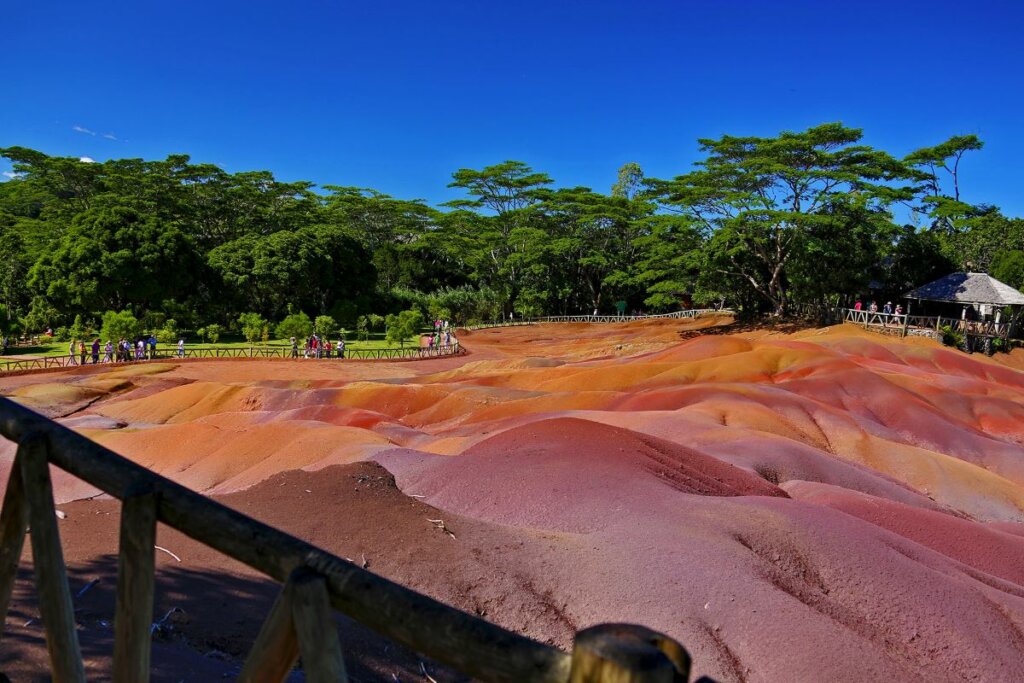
758	223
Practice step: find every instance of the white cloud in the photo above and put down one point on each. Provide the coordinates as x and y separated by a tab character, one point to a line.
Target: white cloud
10	174
82	129
110	136
87	160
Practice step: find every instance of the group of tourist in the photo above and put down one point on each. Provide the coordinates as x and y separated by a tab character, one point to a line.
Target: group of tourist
79	352
441	336
891	313
319	347
887	309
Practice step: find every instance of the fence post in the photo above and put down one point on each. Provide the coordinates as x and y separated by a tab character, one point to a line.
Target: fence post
13	524
135	577
276	648
625	653
48	559
315	628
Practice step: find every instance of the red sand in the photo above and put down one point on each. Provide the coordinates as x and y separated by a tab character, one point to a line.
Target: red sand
819	505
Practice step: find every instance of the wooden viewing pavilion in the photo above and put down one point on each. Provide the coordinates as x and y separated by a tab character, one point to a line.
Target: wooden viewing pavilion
970	303
975	305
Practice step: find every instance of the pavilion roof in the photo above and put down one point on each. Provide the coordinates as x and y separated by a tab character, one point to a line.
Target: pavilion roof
968	288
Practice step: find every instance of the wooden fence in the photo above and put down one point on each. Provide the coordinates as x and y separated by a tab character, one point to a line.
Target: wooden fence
904	322
170	353
691	313
301	621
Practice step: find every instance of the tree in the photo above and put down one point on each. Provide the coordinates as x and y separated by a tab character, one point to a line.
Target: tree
111	257
121	325
325	325
402	327
762	198
252	325
947	210
214	331
296	325
494	244
630	181
13	271
1008	267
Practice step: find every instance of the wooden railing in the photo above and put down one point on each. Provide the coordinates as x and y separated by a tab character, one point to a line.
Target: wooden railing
903	321
170	353
301	621
582	318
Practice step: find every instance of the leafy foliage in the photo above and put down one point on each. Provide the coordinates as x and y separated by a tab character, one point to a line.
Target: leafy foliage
403	326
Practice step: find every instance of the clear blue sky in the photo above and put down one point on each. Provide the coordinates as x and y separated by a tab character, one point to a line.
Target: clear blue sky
396	95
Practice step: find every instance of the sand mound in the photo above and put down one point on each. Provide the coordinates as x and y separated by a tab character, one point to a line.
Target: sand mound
765	497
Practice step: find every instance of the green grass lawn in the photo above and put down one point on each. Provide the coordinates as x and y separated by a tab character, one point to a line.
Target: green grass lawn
376	341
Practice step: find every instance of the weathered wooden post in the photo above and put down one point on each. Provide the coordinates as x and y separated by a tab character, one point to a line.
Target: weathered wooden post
136	575
48	559
626	653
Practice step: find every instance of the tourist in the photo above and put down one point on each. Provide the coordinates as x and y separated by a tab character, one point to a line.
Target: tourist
887	309
108	352
81	351
181	348
96	351
327	348
71	353
858	306
295	347
874	307
140	350
341	347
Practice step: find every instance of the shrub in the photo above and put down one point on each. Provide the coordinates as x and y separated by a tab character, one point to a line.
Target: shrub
116	325
296	325
403	326
951	337
213	331
251	325
325	325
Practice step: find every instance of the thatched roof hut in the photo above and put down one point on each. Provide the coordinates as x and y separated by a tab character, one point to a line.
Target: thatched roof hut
968	288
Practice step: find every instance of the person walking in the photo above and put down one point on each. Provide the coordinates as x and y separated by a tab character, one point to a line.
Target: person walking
96	351
71	353
81	351
341	348
295	348
108	352
181	348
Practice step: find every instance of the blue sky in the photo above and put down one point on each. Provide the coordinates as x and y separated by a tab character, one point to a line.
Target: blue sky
397	95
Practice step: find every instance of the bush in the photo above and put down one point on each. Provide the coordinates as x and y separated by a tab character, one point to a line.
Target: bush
296	325
403	326
79	330
118	325
213	331
325	325
252	325
951	337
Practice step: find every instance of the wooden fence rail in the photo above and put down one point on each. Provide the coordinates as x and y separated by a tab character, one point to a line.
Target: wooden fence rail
170	353
301	622
974	328
582	318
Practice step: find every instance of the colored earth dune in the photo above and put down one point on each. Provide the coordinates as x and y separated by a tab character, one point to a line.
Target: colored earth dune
824	504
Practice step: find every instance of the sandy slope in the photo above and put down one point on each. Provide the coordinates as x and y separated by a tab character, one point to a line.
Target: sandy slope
824	504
